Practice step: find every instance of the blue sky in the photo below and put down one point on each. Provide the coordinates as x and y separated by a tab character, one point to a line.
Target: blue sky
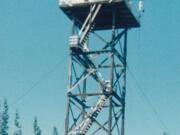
33	39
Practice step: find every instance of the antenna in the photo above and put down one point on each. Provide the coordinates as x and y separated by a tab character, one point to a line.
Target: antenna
141	6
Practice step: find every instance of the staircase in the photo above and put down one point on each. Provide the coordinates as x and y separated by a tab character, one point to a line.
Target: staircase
85	125
80	43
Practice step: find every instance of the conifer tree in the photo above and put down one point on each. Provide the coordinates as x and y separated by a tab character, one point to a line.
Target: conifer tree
37	130
0	120
17	124
4	119
55	132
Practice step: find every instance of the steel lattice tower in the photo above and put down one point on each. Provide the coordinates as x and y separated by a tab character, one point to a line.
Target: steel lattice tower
97	67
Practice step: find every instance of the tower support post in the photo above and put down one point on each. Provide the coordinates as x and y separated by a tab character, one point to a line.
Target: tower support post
84	70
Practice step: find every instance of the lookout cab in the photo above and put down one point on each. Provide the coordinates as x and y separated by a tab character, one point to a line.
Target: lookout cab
126	12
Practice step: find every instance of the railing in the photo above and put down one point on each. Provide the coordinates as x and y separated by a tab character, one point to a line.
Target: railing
136	6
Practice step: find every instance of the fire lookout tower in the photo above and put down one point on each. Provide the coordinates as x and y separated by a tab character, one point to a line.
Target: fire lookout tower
97	64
